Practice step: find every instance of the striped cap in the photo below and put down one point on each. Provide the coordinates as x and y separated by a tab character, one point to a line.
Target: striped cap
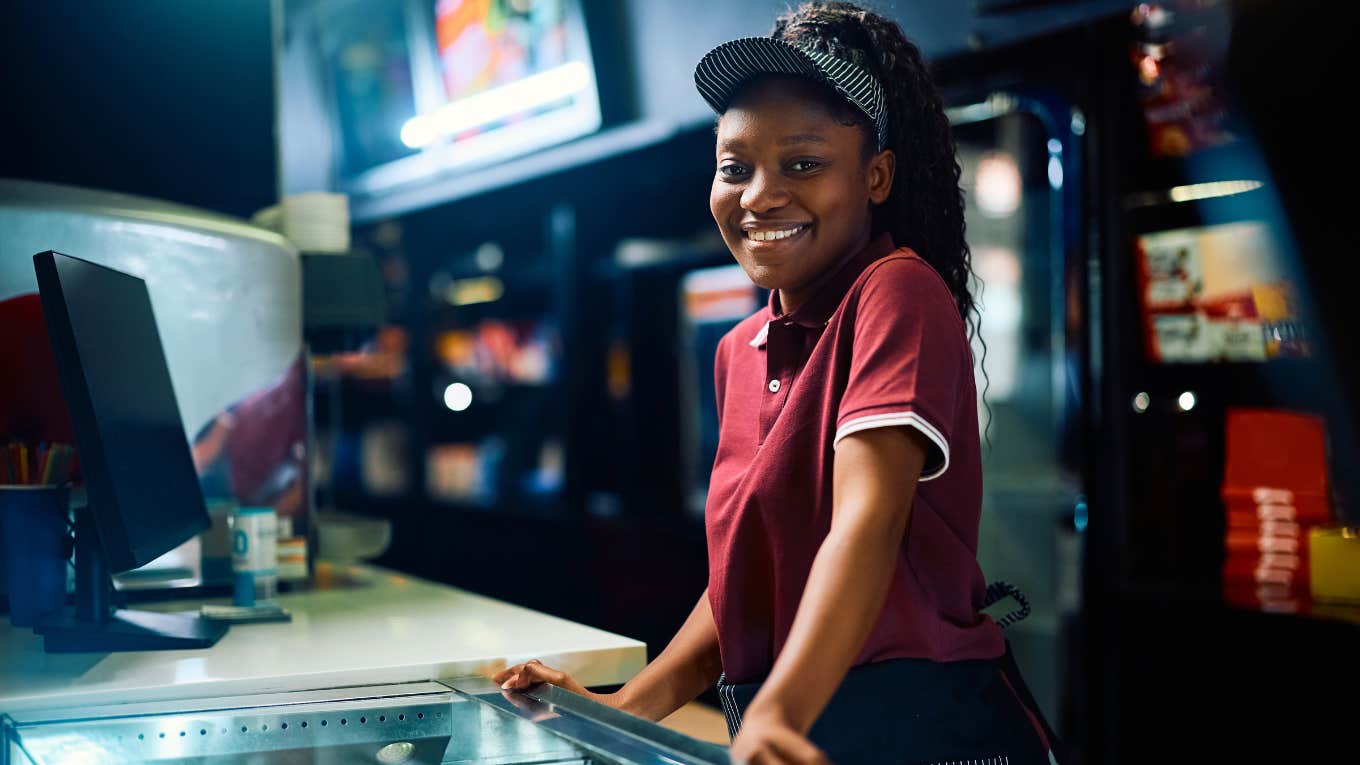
722	72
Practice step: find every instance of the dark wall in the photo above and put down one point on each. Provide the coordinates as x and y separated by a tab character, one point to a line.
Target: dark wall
164	98
669	36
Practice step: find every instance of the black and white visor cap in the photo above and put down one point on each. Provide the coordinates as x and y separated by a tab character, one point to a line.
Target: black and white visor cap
726	68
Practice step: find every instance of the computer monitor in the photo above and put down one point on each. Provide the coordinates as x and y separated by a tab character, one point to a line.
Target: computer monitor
143	493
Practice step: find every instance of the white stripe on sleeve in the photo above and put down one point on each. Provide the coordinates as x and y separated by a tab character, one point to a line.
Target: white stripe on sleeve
895	419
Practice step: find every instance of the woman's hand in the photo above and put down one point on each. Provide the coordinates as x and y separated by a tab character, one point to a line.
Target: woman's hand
766	738
533	672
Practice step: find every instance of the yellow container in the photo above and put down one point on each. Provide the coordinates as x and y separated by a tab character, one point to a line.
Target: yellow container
1334	563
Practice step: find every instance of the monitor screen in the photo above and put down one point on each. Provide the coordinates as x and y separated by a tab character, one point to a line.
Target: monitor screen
385	96
140	479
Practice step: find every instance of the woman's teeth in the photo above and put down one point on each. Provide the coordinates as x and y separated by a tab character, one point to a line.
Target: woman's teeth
770	236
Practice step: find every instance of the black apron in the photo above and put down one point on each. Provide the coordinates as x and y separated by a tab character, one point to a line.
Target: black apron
920	712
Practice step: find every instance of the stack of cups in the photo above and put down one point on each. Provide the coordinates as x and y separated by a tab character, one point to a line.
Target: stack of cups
254	555
317	221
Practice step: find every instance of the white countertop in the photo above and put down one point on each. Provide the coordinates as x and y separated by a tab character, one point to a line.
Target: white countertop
393	629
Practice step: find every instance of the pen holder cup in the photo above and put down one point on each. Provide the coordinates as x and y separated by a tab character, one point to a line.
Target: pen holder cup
33	529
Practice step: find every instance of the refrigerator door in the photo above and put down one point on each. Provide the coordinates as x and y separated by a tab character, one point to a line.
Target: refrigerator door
1018	167
427	723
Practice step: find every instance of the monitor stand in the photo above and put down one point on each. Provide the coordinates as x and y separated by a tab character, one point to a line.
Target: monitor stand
94	624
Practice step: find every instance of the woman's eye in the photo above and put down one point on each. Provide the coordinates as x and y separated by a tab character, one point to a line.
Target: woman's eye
731	171
805	165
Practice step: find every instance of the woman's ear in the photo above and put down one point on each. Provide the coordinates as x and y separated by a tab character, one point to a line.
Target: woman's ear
882	167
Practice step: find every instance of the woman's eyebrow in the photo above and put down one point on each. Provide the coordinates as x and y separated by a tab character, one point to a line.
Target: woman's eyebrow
788	140
801	138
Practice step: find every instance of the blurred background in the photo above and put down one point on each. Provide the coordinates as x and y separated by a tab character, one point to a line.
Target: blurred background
1155	214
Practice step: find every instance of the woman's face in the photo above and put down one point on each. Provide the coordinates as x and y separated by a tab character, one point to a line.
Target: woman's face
792	192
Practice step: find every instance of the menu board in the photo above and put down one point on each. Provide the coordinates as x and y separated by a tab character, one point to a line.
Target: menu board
1217	293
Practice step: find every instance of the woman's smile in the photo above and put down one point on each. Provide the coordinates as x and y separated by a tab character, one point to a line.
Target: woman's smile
766	234
772	244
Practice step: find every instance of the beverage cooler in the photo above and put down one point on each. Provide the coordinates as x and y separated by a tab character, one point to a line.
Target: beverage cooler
1169	439
1215	593
429	723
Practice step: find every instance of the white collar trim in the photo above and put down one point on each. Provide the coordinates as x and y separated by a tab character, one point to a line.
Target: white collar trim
759	339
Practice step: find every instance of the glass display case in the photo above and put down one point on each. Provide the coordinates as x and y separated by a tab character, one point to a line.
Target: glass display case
1019	166
464	721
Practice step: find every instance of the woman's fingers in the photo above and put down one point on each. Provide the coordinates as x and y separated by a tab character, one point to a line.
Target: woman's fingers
532	672
505	674
536	672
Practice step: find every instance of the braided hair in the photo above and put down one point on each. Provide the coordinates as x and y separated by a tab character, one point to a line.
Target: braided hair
924	209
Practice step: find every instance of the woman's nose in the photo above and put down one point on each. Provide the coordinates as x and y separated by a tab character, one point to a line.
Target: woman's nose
764	192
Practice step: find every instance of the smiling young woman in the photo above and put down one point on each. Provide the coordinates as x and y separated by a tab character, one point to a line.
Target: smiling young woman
793	189
842	618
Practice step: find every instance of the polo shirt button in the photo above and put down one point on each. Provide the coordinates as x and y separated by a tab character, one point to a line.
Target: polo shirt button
774	386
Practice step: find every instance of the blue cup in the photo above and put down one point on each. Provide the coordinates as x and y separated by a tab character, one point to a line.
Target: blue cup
33	525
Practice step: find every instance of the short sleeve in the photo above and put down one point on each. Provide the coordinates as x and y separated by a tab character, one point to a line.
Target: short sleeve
720	374
910	364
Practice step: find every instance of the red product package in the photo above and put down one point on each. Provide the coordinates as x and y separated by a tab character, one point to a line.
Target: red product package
1240	525
1239	570
1276	450
1246	505
1252	543
1243	521
1270	598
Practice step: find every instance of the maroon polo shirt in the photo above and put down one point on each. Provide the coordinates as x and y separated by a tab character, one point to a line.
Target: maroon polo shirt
879	344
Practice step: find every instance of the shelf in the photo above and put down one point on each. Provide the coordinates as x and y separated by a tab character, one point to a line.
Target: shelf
1231	162
375	387
516	508
527	272
1168	197
1235	367
495	394
490	386
602	145
1341	614
509	310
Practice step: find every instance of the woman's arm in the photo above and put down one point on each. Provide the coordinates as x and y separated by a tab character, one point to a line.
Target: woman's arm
875	477
688	666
